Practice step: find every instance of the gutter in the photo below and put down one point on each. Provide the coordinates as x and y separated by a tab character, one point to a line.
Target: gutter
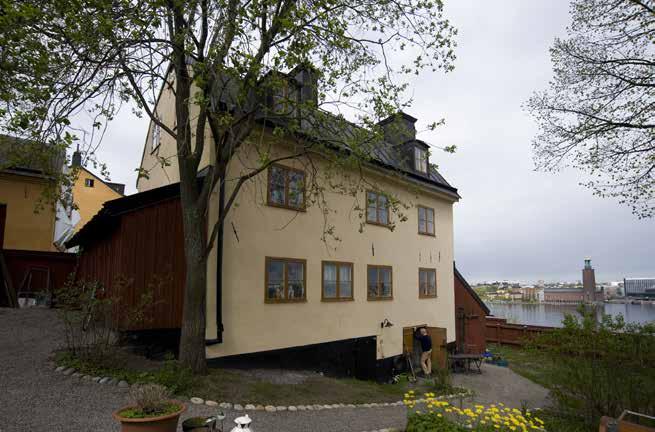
219	270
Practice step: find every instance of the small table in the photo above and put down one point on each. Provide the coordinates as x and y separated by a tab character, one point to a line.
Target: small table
468	360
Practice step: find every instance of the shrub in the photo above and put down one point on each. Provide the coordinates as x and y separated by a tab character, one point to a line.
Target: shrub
150	400
599	368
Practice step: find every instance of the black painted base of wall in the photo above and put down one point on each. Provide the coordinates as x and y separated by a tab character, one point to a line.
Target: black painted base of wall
353	358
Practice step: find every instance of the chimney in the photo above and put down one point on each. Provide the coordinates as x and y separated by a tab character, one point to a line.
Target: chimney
77	159
398	128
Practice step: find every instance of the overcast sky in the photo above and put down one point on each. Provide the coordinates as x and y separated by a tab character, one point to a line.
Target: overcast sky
512	223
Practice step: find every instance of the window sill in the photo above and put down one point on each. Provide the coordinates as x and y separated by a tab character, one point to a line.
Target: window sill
388	226
379	298
423	296
427	234
337	300
286	207
276	301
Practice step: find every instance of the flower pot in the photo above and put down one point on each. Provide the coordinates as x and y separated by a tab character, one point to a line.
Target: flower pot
164	423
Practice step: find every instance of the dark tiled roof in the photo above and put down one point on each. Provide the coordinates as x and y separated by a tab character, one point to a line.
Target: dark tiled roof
21	156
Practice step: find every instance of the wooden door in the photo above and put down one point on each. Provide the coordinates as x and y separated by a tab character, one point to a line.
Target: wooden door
439	340
3	218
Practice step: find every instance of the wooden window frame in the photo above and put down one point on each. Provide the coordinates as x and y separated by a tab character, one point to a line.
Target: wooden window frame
379	298
338	298
89	182
286	204
425	160
286	280
377	208
420	291
434	224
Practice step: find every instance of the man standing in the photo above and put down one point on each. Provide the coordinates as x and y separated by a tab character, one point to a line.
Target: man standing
426	351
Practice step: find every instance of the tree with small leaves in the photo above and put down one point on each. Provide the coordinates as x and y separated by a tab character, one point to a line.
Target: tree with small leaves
598	113
223	60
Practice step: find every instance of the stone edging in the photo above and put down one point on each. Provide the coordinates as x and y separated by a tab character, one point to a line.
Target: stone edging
316	407
73	373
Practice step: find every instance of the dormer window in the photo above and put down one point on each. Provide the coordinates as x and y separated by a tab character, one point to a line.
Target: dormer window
421	159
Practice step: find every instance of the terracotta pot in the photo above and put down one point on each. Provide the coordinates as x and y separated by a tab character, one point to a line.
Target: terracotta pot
165	423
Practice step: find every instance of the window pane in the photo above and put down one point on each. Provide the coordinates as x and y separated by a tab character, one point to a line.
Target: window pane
371	205
372	282
432	283
275	289
421	220
383	211
430	228
345	281
277	185
296	281
430	215
329	280
296	189
420	159
385	282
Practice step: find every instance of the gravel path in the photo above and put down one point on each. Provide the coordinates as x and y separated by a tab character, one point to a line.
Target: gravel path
500	384
35	398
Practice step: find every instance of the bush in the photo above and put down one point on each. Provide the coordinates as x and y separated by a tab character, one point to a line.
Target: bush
599	368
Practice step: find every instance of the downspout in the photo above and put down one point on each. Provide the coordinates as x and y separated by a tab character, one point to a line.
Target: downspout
219	270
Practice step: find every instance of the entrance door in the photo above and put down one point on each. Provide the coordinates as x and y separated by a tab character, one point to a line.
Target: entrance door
411	346
3	218
439	341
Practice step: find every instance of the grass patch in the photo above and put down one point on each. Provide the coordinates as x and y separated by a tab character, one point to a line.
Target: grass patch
527	363
237	386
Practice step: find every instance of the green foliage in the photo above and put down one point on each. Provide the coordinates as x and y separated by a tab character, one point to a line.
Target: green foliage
177	378
601	368
432	422
135	413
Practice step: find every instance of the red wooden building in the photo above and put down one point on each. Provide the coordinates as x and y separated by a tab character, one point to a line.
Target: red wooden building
134	245
470	318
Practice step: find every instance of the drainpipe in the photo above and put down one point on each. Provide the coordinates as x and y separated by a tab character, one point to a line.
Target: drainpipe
219	270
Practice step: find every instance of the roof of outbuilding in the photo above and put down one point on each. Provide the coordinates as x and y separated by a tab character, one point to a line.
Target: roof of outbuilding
471	291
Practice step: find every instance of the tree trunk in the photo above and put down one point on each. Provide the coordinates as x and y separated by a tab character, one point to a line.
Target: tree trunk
192	341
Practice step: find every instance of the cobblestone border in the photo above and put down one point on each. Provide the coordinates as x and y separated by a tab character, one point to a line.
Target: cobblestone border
316	407
73	373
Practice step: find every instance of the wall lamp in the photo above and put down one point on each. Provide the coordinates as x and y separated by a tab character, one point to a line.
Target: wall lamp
386	323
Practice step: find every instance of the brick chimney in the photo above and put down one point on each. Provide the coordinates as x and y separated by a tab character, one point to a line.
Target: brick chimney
76	161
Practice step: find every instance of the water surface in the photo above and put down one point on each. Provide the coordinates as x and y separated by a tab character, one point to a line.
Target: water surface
553	314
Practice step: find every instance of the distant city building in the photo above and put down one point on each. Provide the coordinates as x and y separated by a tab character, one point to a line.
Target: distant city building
586	293
563	295
639	287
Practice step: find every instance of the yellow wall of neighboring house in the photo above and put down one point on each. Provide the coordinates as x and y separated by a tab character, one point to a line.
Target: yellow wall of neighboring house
89	200
26	227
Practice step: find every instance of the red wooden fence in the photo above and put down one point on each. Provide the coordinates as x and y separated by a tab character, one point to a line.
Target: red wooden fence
31	272
499	331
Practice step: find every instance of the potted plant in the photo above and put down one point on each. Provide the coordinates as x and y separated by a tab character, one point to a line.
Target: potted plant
152	410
